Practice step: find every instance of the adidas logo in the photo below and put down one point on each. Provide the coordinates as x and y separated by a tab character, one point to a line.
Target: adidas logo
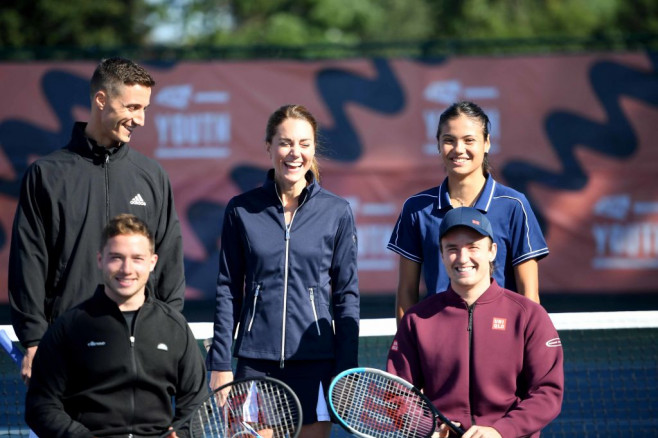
137	200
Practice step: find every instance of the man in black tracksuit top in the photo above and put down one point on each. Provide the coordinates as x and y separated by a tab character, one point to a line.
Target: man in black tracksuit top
68	196
110	366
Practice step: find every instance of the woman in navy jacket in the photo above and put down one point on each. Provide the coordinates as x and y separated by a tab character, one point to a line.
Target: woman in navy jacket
287	290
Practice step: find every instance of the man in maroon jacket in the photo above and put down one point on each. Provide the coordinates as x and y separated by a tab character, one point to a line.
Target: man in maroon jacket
486	357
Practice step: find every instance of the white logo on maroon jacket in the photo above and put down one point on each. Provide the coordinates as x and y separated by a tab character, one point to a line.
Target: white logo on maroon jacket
499	323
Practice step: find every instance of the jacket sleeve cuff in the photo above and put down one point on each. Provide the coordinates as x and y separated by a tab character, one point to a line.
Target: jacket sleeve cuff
218	365
28	344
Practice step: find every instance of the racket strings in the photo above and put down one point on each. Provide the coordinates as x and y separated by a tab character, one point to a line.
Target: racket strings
379	407
250	408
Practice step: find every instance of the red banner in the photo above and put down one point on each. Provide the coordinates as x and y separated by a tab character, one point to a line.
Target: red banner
574	133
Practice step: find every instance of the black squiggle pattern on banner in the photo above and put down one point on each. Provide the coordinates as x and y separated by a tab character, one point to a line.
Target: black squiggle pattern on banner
339	87
22	141
615	137
206	219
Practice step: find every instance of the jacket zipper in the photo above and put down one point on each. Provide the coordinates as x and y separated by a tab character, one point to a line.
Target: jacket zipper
315	312
285	294
107	188
471	309
134	361
285	277
253	310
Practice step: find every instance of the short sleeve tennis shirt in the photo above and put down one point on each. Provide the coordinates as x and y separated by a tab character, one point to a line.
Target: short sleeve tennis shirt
516	232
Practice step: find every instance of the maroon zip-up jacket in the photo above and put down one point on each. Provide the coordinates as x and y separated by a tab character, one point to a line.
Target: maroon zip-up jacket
498	363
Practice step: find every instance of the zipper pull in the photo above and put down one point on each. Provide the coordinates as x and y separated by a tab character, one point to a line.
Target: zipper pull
288	232
132	341
253	310
315	312
470	318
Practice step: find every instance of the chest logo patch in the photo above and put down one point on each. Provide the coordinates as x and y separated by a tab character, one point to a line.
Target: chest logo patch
499	324
394	347
138	200
163	347
96	344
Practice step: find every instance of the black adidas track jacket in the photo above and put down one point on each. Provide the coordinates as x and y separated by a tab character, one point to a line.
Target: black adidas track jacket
66	199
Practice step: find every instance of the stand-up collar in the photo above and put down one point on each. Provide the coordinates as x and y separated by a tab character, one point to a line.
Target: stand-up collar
101	298
489	295
309	190
88	147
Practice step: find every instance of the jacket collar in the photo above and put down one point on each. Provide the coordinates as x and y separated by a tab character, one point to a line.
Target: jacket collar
491	294
101	300
88	148
308	191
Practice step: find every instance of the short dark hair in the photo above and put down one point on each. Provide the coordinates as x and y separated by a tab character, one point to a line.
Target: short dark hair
472	110
124	224
116	71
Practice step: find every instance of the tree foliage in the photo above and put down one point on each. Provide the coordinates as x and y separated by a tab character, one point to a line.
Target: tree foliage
239	23
72	23
299	22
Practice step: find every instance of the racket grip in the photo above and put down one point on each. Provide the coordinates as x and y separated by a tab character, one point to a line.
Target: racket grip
10	348
456	429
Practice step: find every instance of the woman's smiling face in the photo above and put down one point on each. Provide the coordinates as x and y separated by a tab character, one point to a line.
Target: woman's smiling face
292	151
462	145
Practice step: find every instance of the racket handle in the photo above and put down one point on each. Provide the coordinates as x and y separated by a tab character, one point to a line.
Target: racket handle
456	429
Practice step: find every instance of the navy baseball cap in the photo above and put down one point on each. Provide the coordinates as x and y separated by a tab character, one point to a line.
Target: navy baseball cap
466	217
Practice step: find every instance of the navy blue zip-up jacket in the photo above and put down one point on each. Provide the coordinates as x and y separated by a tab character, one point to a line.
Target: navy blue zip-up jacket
283	291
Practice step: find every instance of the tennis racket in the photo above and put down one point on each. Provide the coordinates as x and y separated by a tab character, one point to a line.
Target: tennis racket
253	407
371	403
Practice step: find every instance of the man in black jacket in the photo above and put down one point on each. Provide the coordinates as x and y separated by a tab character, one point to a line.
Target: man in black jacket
109	366
68	196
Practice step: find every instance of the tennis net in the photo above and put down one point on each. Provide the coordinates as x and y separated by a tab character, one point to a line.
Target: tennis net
611	373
